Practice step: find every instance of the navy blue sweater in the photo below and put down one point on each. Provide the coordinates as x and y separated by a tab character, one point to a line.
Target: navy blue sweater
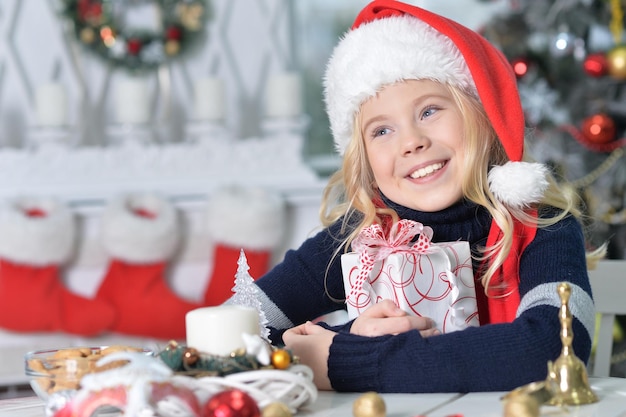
493	357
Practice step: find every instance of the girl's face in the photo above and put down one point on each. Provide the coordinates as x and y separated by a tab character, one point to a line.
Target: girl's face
413	133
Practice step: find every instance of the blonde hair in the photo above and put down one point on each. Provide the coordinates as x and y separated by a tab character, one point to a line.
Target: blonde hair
352	189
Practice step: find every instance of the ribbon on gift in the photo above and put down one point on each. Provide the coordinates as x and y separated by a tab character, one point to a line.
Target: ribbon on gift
407	236
372	246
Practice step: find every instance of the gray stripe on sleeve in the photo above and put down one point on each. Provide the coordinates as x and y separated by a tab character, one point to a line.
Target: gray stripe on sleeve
580	303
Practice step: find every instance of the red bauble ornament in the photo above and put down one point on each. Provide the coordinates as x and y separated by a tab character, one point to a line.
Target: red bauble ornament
599	128
596	65
520	67
134	46
231	403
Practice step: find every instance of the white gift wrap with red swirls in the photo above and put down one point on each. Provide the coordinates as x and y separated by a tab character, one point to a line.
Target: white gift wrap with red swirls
427	279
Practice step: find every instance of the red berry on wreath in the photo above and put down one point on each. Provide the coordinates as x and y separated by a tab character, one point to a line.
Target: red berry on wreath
134	46
173	32
90	11
599	128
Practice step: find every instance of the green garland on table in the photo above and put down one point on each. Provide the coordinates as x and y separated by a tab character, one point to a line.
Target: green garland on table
184	360
98	26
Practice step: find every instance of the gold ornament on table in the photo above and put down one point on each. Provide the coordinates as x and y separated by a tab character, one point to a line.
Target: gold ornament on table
276	409
281	359
523	405
567	382
369	404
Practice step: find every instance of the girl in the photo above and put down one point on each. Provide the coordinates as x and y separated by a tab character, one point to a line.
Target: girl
427	117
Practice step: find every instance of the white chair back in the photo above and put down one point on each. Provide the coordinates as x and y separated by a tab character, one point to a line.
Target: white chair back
608	283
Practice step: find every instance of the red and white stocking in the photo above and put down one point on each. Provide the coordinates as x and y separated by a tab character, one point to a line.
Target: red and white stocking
242	218
141	233
37	237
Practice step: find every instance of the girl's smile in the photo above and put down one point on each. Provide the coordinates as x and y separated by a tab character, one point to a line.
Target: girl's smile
427	170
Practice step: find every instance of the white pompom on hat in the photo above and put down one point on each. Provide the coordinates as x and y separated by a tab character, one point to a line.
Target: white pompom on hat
391	41
36	231
140	228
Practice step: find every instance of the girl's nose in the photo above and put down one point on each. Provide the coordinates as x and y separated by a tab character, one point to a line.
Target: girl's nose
414	140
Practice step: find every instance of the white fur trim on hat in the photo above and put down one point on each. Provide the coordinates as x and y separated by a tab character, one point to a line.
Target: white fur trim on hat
383	52
134	238
251	218
38	240
518	184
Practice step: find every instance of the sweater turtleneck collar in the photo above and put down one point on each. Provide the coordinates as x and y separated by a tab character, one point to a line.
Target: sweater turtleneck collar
464	220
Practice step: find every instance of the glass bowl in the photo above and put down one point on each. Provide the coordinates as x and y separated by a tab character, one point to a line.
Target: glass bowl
60	370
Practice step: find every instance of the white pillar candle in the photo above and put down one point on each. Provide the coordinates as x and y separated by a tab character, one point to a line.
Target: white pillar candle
51	105
283	96
209	99
132	104
218	330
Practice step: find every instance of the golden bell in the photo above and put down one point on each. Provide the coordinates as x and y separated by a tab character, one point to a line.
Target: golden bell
567	376
567	382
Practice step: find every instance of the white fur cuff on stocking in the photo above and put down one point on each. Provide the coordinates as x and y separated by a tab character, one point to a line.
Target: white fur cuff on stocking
252	218
140	228
36	231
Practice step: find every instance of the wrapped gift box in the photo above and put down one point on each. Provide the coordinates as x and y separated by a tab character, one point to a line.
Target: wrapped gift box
422	278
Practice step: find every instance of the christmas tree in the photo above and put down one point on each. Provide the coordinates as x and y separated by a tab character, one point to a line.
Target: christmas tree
570	59
246	293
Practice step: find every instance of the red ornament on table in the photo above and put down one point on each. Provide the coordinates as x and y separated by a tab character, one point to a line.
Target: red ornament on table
599	128
231	403
596	65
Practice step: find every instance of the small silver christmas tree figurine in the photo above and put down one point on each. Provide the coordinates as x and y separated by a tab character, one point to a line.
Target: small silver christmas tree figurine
246	293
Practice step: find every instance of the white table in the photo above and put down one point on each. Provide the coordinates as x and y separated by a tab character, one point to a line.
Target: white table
611	391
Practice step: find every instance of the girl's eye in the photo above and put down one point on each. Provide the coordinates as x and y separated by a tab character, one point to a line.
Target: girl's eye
381	131
429	111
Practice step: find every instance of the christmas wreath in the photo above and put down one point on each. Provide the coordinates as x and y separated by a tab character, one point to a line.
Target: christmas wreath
104	27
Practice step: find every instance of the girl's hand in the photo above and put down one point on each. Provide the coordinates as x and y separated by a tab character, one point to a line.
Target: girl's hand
311	343
386	318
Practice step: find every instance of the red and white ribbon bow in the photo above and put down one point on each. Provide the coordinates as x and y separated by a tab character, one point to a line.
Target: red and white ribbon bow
372	245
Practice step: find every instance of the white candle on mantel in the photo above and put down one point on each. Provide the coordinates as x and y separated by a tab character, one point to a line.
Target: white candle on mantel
209	99
283	96
218	330
51	105
132	104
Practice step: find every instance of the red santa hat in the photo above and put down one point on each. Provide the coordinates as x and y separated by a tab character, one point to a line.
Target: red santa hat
391	41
